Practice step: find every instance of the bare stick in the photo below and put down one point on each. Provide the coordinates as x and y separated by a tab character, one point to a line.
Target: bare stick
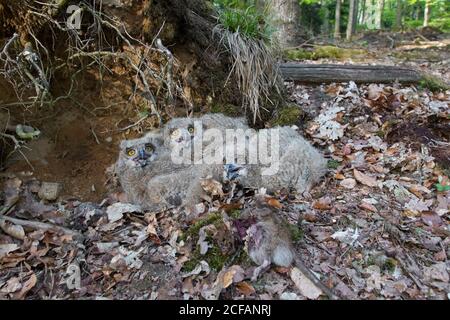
41	226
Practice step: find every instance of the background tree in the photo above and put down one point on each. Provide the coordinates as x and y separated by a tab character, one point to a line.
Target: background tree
286	15
427	13
351	18
398	15
337	20
379	14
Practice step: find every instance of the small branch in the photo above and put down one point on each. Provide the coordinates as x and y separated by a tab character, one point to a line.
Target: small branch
42	226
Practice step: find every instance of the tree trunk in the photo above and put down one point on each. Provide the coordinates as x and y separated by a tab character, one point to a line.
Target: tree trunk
326	73
260	5
398	15
427	12
351	17
362	12
355	15
326	18
379	14
337	23
286	15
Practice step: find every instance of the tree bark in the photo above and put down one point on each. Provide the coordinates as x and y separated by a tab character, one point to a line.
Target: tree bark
351	17
362	12
355	15
398	15
326	18
286	14
427	12
379	14
337	22
327	73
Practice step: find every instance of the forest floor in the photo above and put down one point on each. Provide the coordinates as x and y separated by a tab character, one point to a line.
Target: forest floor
377	227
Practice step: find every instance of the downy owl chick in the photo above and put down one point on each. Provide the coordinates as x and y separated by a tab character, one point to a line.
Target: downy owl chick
181	132
150	179
294	162
141	164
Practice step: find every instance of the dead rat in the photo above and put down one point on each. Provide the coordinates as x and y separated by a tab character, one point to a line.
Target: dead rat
267	241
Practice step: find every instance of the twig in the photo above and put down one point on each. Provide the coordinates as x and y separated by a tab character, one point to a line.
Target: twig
133	125
41	226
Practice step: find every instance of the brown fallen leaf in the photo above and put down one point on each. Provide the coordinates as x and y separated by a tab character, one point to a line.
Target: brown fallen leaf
304	285
13	230
322	204
27	286
245	288
365	179
274	203
368	206
212	187
233	274
339	176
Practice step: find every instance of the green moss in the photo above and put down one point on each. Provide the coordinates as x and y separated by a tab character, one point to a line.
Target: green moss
227	109
288	116
235	214
299	54
214	257
432	83
333	164
296	233
323	52
390	264
193	230
380	133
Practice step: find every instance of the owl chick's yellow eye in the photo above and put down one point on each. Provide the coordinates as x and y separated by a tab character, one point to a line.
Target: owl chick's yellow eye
131	152
191	130
149	148
175	133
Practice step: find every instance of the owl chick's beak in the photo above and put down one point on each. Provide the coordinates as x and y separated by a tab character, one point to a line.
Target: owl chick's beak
142	158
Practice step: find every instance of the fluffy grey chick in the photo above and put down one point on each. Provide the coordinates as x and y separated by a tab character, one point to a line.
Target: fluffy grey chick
152	180
299	165
141	166
183	131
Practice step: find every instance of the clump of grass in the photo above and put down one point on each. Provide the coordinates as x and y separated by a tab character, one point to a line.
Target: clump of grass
248	22
432	83
245	36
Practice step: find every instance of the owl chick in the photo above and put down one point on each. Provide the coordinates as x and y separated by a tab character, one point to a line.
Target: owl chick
293	162
182	131
152	180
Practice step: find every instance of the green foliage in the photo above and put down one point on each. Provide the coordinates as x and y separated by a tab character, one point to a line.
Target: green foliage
246	21
432	83
442	188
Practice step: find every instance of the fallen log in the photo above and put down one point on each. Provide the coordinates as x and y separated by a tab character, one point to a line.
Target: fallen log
326	73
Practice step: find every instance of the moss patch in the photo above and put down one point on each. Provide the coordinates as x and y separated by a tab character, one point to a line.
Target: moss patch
432	83
288	115
220	245
214	257
333	164
296	233
227	109
324	52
